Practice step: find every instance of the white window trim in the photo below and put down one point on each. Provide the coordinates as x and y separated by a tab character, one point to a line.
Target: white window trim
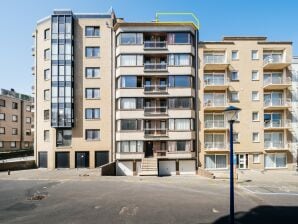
253	116
285	167
258	96
258	137
253	161
237	75
257	58
258	77
215	162
237	55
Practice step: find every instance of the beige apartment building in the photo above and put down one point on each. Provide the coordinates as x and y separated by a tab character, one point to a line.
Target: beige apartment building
253	74
16	120
73	90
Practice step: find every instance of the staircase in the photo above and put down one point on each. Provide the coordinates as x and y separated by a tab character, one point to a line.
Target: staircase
149	167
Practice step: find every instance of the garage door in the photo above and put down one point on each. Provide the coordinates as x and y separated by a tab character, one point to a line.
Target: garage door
167	168
43	159
124	168
101	158
187	167
62	160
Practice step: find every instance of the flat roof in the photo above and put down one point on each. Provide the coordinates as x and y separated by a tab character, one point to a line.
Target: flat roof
148	24
244	38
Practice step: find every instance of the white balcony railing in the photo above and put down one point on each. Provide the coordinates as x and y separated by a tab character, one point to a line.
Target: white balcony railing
156	132
277	123
275	145
215	81
215	103
215	124
277	102
155	110
215	59
276	80
155	88
273	58
155	44
155	66
215	145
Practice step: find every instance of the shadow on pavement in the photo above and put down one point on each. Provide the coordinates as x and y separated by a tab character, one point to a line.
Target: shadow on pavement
264	215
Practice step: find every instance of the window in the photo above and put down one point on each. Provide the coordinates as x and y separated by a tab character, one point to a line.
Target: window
275	160
14	131
47	34
2	116
13	144
92	52
46	94
63	137
28	120
14	118
131	103
255	95
46	135
14	105
130	38
179	38
178	81
181	145
255	116
180	124
47	74
254	55
234	96
1	144
2	103
28	108
130	81
92	113
26	144
46	115
236	137
129	125
256	158
234	76
92	134
28	132
92	93
92	72
180	103
47	55
130	60
92	31
254	75
2	130
130	146
255	137
179	60
235	55
215	161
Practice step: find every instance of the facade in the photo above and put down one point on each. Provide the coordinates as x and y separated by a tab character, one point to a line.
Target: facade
253	74
73	90
156	76
295	107
16	120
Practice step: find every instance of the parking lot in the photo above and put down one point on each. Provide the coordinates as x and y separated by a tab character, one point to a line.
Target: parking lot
82	196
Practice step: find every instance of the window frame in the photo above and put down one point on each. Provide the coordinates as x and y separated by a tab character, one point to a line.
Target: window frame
14	131
93	113
93	48
14	118
93	73
231	76
2	133
237	55
92	98
3	103
92	139
231	98
46	135
258	75
15	144
3	117
258	115
257	54
93	31
258	96
258	137
253	158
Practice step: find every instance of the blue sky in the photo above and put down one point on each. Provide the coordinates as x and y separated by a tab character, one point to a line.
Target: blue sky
276	19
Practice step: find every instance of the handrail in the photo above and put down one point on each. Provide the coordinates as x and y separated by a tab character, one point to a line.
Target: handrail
196	24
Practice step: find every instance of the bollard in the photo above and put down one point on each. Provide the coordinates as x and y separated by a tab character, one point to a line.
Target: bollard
8	172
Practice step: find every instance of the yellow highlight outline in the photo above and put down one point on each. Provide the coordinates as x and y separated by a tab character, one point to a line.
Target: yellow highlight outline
197	24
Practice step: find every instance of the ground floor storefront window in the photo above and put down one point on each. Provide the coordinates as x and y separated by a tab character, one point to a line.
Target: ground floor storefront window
215	161
275	160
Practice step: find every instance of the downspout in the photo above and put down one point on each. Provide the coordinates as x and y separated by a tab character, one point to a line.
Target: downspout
196	98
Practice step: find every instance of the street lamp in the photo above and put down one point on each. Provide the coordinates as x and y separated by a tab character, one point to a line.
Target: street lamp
231	113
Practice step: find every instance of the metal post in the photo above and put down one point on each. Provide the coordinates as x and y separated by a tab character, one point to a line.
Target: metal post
231	174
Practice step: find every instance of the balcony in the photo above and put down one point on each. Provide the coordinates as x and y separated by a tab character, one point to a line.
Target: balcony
215	125
216	83
215	104
155	132
215	62
277	124
155	89
155	45
276	83
276	146
215	146
153	111
274	61
277	104
155	67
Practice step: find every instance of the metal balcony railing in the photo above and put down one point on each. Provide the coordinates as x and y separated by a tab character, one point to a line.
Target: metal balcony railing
277	123
276	80
277	102
215	145
155	88
155	66
215	59
155	110
215	124
155	44
156	132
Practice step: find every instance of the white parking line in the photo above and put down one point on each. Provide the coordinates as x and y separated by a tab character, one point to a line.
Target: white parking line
269	193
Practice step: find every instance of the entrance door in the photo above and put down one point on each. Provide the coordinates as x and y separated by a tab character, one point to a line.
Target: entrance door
82	159
148	149
242	161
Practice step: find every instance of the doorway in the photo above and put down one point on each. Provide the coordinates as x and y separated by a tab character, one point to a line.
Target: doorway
242	161
149	149
82	159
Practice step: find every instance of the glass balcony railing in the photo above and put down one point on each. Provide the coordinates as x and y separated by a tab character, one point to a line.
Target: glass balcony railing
155	88
215	145
215	103
273	58
215	124
275	145
214	59
155	131
155	110
276	81
155	66
155	44
277	102
277	123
